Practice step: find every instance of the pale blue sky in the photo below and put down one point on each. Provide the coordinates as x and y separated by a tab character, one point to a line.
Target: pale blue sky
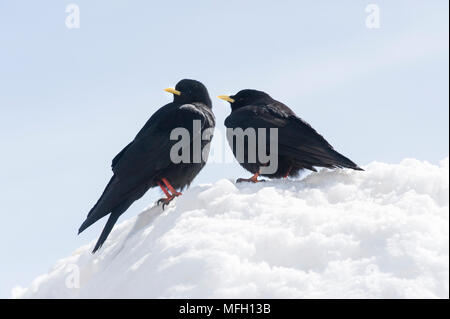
71	99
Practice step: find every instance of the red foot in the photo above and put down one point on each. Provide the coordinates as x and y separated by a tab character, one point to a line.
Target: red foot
169	197
166	201
288	172
253	179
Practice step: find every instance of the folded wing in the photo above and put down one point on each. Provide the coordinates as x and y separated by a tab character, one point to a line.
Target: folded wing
296	138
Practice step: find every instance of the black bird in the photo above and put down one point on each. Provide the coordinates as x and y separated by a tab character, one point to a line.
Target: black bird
299	145
147	161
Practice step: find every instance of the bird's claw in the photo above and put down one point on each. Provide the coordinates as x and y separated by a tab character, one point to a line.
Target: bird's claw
166	201
251	180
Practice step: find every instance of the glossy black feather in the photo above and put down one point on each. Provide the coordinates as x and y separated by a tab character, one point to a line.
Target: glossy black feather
146	160
299	145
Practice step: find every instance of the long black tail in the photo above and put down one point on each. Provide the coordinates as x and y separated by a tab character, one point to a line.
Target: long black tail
115	200
119	210
106	230
103	206
343	161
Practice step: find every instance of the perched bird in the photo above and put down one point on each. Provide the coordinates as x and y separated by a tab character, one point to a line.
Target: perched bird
147	161
299	145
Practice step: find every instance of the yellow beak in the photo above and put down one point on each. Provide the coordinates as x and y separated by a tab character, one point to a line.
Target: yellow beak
226	98
173	91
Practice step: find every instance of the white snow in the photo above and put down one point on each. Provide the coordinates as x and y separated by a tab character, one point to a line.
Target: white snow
382	233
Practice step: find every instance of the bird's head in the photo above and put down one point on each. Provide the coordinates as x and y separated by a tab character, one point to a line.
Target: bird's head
190	91
246	97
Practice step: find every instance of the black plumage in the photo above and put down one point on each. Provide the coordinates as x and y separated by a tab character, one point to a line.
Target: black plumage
299	145
146	162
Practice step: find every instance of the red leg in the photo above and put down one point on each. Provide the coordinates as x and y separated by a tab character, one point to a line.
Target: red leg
169	197
288	172
253	179
170	187
163	189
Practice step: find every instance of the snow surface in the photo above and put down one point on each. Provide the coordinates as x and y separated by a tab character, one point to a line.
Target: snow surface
382	233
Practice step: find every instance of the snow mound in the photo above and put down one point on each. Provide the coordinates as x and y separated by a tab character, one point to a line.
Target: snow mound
382	233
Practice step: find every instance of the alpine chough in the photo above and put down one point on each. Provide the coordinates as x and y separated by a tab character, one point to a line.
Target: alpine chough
147	161
299	145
